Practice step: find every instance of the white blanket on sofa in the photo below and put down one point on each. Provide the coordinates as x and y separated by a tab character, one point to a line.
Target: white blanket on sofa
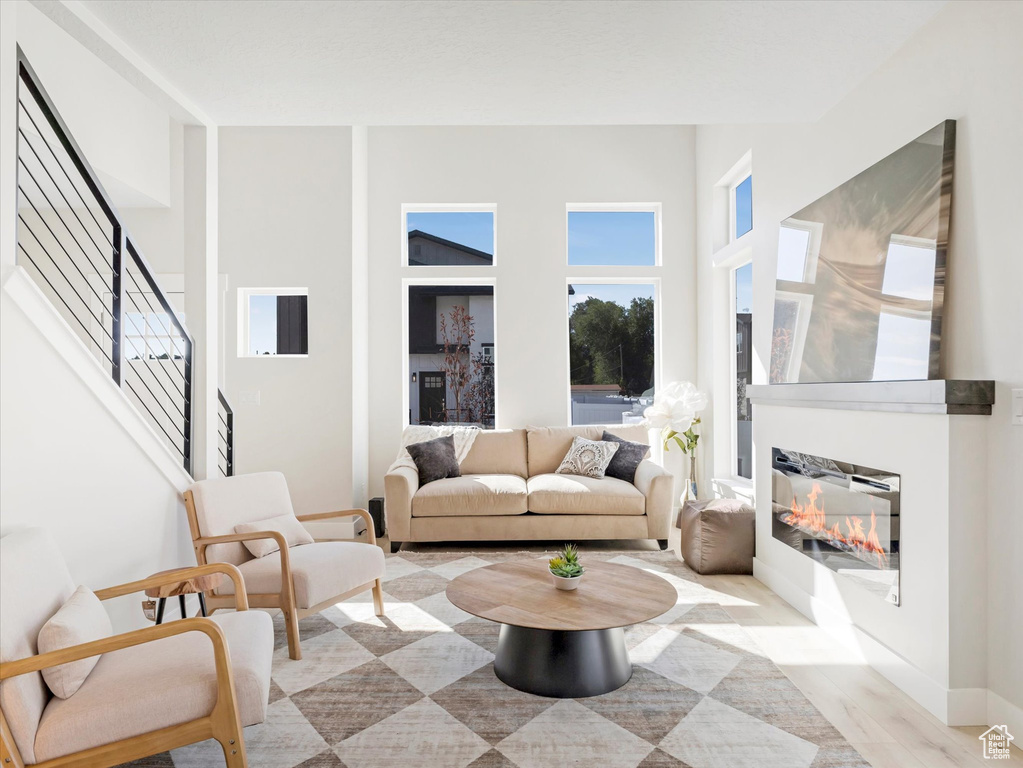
420	433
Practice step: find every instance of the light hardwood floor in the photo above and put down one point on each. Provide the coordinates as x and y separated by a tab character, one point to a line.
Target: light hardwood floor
887	727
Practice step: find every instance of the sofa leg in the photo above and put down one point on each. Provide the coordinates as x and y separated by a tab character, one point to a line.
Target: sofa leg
663	544
395	546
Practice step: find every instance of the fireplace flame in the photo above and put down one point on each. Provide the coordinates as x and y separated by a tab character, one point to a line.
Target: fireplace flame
810	517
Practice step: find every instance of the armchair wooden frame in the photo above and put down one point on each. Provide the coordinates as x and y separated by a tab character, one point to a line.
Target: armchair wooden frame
285	599
222	724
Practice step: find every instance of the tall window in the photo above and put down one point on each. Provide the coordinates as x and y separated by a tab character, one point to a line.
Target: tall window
611	322
451	354
742	288
611	351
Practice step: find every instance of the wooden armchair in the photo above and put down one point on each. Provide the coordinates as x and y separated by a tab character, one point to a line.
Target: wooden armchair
106	722
302	580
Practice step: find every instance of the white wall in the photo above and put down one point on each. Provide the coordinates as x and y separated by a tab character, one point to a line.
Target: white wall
964	64
530	174
77	458
286	221
124	134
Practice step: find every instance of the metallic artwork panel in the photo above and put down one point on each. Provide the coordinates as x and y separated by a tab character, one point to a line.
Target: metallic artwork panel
861	272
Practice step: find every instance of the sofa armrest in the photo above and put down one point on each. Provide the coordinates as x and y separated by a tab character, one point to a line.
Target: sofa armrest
658	485
399	488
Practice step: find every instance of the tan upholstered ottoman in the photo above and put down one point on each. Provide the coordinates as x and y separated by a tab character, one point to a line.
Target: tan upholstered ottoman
718	536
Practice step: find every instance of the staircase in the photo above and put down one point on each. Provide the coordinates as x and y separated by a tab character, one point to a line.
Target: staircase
74	245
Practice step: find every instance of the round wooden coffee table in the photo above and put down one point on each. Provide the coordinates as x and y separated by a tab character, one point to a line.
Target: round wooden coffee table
557	643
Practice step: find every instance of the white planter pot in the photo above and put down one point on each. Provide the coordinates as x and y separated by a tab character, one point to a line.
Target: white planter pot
562	582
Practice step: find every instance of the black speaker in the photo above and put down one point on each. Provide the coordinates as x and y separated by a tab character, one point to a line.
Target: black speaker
376	511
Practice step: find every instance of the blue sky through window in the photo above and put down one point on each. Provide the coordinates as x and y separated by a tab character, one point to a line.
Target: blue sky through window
744	288
612	238
262	324
744	207
472	228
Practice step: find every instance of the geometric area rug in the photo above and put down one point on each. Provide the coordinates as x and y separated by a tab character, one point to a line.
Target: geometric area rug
417	689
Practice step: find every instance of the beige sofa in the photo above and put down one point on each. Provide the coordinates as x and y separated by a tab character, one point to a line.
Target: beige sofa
509	491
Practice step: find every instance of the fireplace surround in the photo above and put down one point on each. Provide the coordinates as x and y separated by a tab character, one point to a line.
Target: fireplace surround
842	515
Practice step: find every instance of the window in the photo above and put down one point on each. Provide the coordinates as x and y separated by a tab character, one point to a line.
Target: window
611	351
152	335
613	237
742	207
273	322
449	238
742	289
451	354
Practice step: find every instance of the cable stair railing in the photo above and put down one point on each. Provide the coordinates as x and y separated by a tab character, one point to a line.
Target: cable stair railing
73	242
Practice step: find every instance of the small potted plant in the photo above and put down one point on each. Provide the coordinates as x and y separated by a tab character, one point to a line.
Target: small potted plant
565	568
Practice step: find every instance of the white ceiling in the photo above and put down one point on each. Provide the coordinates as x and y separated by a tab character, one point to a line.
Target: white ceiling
501	62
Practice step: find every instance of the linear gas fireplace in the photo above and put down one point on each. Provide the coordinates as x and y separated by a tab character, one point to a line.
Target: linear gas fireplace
844	516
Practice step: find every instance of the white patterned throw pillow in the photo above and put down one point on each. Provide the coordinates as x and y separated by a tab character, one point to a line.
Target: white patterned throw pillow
587	457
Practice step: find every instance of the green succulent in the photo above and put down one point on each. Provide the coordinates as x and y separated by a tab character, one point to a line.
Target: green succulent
566	562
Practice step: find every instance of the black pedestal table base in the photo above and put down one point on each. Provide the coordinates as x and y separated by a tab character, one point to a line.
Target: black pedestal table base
562	664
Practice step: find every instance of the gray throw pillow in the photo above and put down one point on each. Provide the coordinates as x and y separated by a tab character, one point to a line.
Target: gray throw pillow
435	459
626	459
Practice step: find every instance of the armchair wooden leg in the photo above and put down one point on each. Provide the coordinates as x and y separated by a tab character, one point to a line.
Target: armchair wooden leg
378	598
234	751
291	627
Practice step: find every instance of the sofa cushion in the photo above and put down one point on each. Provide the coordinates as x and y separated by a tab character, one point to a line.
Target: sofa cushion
587	457
320	571
81	619
497	452
626	459
435	459
553	494
159	684
471	495
294	533
547	446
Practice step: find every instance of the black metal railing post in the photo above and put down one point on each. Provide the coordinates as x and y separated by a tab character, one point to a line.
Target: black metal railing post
117	307
188	405
227	452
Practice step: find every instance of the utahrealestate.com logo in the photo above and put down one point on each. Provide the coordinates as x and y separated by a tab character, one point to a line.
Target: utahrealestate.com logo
996	743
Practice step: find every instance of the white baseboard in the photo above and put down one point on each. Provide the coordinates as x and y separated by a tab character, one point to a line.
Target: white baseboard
1000	711
958	706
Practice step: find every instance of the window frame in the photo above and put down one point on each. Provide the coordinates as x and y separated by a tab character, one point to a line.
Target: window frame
244	294
407	208
654	208
655	281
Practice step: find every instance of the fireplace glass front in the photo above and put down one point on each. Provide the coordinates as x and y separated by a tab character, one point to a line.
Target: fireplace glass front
842	515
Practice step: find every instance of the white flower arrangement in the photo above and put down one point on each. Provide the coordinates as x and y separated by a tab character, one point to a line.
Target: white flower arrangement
674	412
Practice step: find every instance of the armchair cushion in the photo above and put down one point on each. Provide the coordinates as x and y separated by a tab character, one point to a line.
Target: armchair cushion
321	570
288	525
159	684
81	619
224	502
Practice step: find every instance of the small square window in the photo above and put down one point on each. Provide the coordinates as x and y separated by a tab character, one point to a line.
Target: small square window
625	238
450	238
273	322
